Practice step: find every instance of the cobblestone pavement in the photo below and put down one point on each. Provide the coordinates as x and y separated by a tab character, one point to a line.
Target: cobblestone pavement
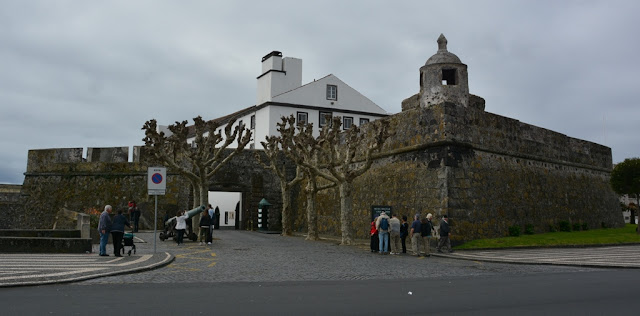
613	256
242	256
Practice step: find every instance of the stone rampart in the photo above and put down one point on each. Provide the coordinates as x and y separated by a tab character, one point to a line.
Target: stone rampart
58	179
487	172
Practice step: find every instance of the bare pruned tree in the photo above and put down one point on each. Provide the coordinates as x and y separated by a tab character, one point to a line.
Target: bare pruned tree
274	148
201	159
349	155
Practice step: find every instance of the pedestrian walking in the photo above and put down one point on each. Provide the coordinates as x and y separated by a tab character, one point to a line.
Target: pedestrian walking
394	234
415	235
382	225
426	230
117	232
374	236
104	228
216	218
181	225
211	214
136	217
404	232
445	233
205	225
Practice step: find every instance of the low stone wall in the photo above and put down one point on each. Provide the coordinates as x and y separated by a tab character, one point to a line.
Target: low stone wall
44	245
41	233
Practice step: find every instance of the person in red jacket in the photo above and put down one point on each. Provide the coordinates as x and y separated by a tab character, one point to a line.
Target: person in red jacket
374	236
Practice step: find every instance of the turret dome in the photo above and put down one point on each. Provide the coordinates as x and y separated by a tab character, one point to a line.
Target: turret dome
443	56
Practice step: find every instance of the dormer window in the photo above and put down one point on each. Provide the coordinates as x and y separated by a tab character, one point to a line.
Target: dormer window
448	77
332	92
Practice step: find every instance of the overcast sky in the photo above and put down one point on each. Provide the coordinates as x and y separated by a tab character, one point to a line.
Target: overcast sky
90	73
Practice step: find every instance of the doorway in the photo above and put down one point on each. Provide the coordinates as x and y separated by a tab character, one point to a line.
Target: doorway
229	204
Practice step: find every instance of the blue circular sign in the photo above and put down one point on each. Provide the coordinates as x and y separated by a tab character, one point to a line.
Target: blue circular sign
156	178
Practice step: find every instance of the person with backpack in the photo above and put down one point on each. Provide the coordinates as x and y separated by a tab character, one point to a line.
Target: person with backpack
394	234
382	225
426	230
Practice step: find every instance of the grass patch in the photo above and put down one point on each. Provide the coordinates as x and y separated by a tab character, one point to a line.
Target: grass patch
623	235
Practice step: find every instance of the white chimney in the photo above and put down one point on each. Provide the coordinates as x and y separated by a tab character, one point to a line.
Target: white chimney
278	75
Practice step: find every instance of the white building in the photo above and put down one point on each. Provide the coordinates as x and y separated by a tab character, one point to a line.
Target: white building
280	93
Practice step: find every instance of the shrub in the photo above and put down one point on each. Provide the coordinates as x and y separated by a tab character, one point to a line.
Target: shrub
514	231
585	226
603	225
552	229
528	229
576	227
564	226
94	216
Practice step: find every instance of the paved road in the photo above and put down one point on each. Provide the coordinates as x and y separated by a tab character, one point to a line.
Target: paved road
241	256
254	257
600	292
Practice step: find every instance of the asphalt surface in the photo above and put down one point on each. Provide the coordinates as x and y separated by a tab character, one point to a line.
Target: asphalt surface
243	256
599	292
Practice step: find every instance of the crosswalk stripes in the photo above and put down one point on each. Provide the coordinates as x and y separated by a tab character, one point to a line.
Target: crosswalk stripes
611	256
35	269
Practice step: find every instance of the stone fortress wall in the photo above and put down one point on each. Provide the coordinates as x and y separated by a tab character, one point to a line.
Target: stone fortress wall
485	171
61	178
447	156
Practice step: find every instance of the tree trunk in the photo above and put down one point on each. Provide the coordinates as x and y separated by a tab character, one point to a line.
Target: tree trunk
286	209
346	204
312	214
202	199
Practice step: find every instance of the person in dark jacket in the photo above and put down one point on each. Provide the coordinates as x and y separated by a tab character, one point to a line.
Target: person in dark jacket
426	231
216	218
404	232
117	231
205	225
136	217
445	232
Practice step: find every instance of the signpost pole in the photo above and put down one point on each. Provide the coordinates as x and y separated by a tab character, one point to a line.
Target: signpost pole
155	226
156	185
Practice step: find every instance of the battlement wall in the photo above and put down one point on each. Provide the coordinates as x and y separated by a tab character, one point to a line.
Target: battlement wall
71	159
450	124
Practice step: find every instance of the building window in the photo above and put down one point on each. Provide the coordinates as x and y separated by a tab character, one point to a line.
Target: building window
302	118
324	116
252	146
347	122
253	122
448	77
364	121
332	92
240	124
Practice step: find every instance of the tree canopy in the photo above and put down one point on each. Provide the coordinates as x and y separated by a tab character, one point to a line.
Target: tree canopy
625	177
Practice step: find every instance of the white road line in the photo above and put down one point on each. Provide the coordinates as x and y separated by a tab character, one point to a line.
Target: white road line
75	271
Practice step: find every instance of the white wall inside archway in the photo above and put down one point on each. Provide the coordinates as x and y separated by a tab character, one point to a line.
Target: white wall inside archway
226	201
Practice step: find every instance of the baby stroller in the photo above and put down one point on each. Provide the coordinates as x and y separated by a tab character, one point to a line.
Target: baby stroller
127	241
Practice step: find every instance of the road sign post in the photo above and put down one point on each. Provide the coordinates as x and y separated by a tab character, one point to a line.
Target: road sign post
156	185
